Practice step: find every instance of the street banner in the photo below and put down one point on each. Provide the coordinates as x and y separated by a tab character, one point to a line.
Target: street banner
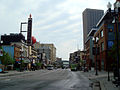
1	52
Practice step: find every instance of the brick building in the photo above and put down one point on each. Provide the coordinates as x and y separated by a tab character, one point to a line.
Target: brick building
106	35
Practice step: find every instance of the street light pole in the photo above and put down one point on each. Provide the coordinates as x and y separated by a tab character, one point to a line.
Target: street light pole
84	59
21	61
109	9
96	52
21	52
116	19
117	49
96	59
117	11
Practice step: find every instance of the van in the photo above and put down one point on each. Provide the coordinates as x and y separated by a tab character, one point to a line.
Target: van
50	67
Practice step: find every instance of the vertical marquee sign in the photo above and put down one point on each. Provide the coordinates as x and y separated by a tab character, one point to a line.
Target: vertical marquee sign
29	31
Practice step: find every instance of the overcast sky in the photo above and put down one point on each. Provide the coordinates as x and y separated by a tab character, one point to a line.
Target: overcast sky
54	21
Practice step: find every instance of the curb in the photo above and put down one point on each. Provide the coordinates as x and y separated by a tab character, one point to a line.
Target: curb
11	74
96	86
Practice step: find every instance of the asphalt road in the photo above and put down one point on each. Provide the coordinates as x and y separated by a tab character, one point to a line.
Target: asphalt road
46	80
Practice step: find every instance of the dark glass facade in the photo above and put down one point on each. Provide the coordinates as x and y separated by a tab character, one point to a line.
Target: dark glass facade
90	19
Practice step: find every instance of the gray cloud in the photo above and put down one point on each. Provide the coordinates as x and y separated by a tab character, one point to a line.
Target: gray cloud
54	21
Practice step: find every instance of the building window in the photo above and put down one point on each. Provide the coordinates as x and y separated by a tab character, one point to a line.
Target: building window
102	46
101	33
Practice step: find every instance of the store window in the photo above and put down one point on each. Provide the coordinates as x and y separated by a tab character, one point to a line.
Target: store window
101	33
102	46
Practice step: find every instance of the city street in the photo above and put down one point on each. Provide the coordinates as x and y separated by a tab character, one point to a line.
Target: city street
46	80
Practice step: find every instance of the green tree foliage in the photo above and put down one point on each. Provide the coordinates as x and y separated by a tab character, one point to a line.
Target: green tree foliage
6	59
81	61
38	64
113	54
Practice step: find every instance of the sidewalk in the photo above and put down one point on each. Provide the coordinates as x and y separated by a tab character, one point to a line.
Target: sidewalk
107	85
12	72
102	79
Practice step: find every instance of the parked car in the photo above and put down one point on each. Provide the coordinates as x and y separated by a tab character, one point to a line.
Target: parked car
50	67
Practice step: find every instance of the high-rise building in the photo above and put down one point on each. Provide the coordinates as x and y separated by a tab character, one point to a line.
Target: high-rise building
52	51
90	19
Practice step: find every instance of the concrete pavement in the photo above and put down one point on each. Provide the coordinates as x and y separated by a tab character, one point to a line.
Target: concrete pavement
12	72
60	79
100	82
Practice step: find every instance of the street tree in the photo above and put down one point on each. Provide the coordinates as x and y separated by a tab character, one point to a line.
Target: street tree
113	54
6	59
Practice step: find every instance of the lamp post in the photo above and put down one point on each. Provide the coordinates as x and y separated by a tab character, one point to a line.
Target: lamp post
1	51
117	10
21	51
109	9
84	59
21	55
95	40
116	22
1	42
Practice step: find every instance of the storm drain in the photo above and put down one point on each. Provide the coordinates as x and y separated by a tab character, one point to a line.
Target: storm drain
96	86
